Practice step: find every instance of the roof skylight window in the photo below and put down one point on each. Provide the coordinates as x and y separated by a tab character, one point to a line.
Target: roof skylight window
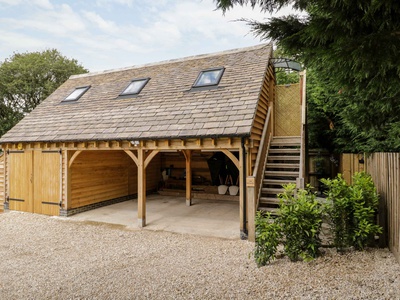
76	94
135	87
209	77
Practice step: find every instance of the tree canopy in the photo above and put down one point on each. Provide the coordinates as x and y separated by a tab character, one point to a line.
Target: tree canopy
29	78
353	48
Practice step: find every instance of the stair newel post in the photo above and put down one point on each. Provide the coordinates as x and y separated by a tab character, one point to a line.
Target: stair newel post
300	181
251	202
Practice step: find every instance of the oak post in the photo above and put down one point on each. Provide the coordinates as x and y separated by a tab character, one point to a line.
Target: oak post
188	156
251	227
141	189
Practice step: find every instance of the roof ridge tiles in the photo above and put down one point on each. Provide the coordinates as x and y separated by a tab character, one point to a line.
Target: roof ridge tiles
175	60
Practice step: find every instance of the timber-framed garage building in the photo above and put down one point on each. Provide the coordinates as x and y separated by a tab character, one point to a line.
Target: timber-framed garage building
108	136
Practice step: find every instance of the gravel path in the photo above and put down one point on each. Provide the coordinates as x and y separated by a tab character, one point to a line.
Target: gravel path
54	258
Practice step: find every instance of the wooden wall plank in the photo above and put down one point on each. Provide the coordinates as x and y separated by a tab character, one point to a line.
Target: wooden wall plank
98	176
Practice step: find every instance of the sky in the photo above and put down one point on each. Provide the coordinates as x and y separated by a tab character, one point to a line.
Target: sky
111	34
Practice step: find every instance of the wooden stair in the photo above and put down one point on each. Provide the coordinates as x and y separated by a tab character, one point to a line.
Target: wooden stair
283	163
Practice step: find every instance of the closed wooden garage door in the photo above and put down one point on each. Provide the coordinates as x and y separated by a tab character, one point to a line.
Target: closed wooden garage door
34	181
20	180
46	182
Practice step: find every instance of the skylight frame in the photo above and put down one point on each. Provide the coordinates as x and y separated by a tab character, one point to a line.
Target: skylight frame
77	94
215	82
137	91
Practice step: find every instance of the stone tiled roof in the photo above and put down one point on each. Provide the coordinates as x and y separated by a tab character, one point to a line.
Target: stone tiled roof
167	107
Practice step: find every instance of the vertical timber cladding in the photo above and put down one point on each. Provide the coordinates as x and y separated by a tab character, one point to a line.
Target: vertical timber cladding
34	181
288	110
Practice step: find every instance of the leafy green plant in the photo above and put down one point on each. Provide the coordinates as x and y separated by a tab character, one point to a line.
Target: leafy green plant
268	238
365	202
300	218
339	210
352	210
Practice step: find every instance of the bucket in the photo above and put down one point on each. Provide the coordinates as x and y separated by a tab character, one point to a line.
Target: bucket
222	189
233	190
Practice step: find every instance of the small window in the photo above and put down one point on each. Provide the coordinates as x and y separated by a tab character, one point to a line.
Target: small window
209	77
76	94
135	87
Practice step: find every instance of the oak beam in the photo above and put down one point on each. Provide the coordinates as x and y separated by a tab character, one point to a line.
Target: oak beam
133	156
73	158
231	157
150	157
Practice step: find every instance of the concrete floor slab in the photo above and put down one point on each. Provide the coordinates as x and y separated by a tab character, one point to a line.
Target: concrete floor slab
169	213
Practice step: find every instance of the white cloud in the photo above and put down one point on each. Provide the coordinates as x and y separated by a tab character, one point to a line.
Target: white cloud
104	25
118	33
11	2
43	4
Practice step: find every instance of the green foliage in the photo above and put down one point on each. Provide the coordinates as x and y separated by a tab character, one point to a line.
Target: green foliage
27	79
268	237
352	211
353	49
297	227
339	209
300	217
366	201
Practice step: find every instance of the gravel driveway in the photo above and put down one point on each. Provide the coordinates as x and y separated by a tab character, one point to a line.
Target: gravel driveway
55	258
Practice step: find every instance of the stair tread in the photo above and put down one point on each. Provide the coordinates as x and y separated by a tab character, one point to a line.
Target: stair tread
278	181
283	157
283	150
272	190
282	173
283	165
269	200
272	210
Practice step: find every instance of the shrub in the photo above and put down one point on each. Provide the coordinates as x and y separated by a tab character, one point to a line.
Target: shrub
300	217
352	210
268	238
339	210
297	227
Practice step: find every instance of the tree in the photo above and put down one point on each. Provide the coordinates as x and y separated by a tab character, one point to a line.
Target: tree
353	46
29	78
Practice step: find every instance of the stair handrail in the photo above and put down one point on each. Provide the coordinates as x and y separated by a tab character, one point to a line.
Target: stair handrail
261	159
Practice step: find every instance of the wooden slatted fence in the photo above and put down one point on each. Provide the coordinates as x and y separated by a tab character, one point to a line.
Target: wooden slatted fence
385	171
